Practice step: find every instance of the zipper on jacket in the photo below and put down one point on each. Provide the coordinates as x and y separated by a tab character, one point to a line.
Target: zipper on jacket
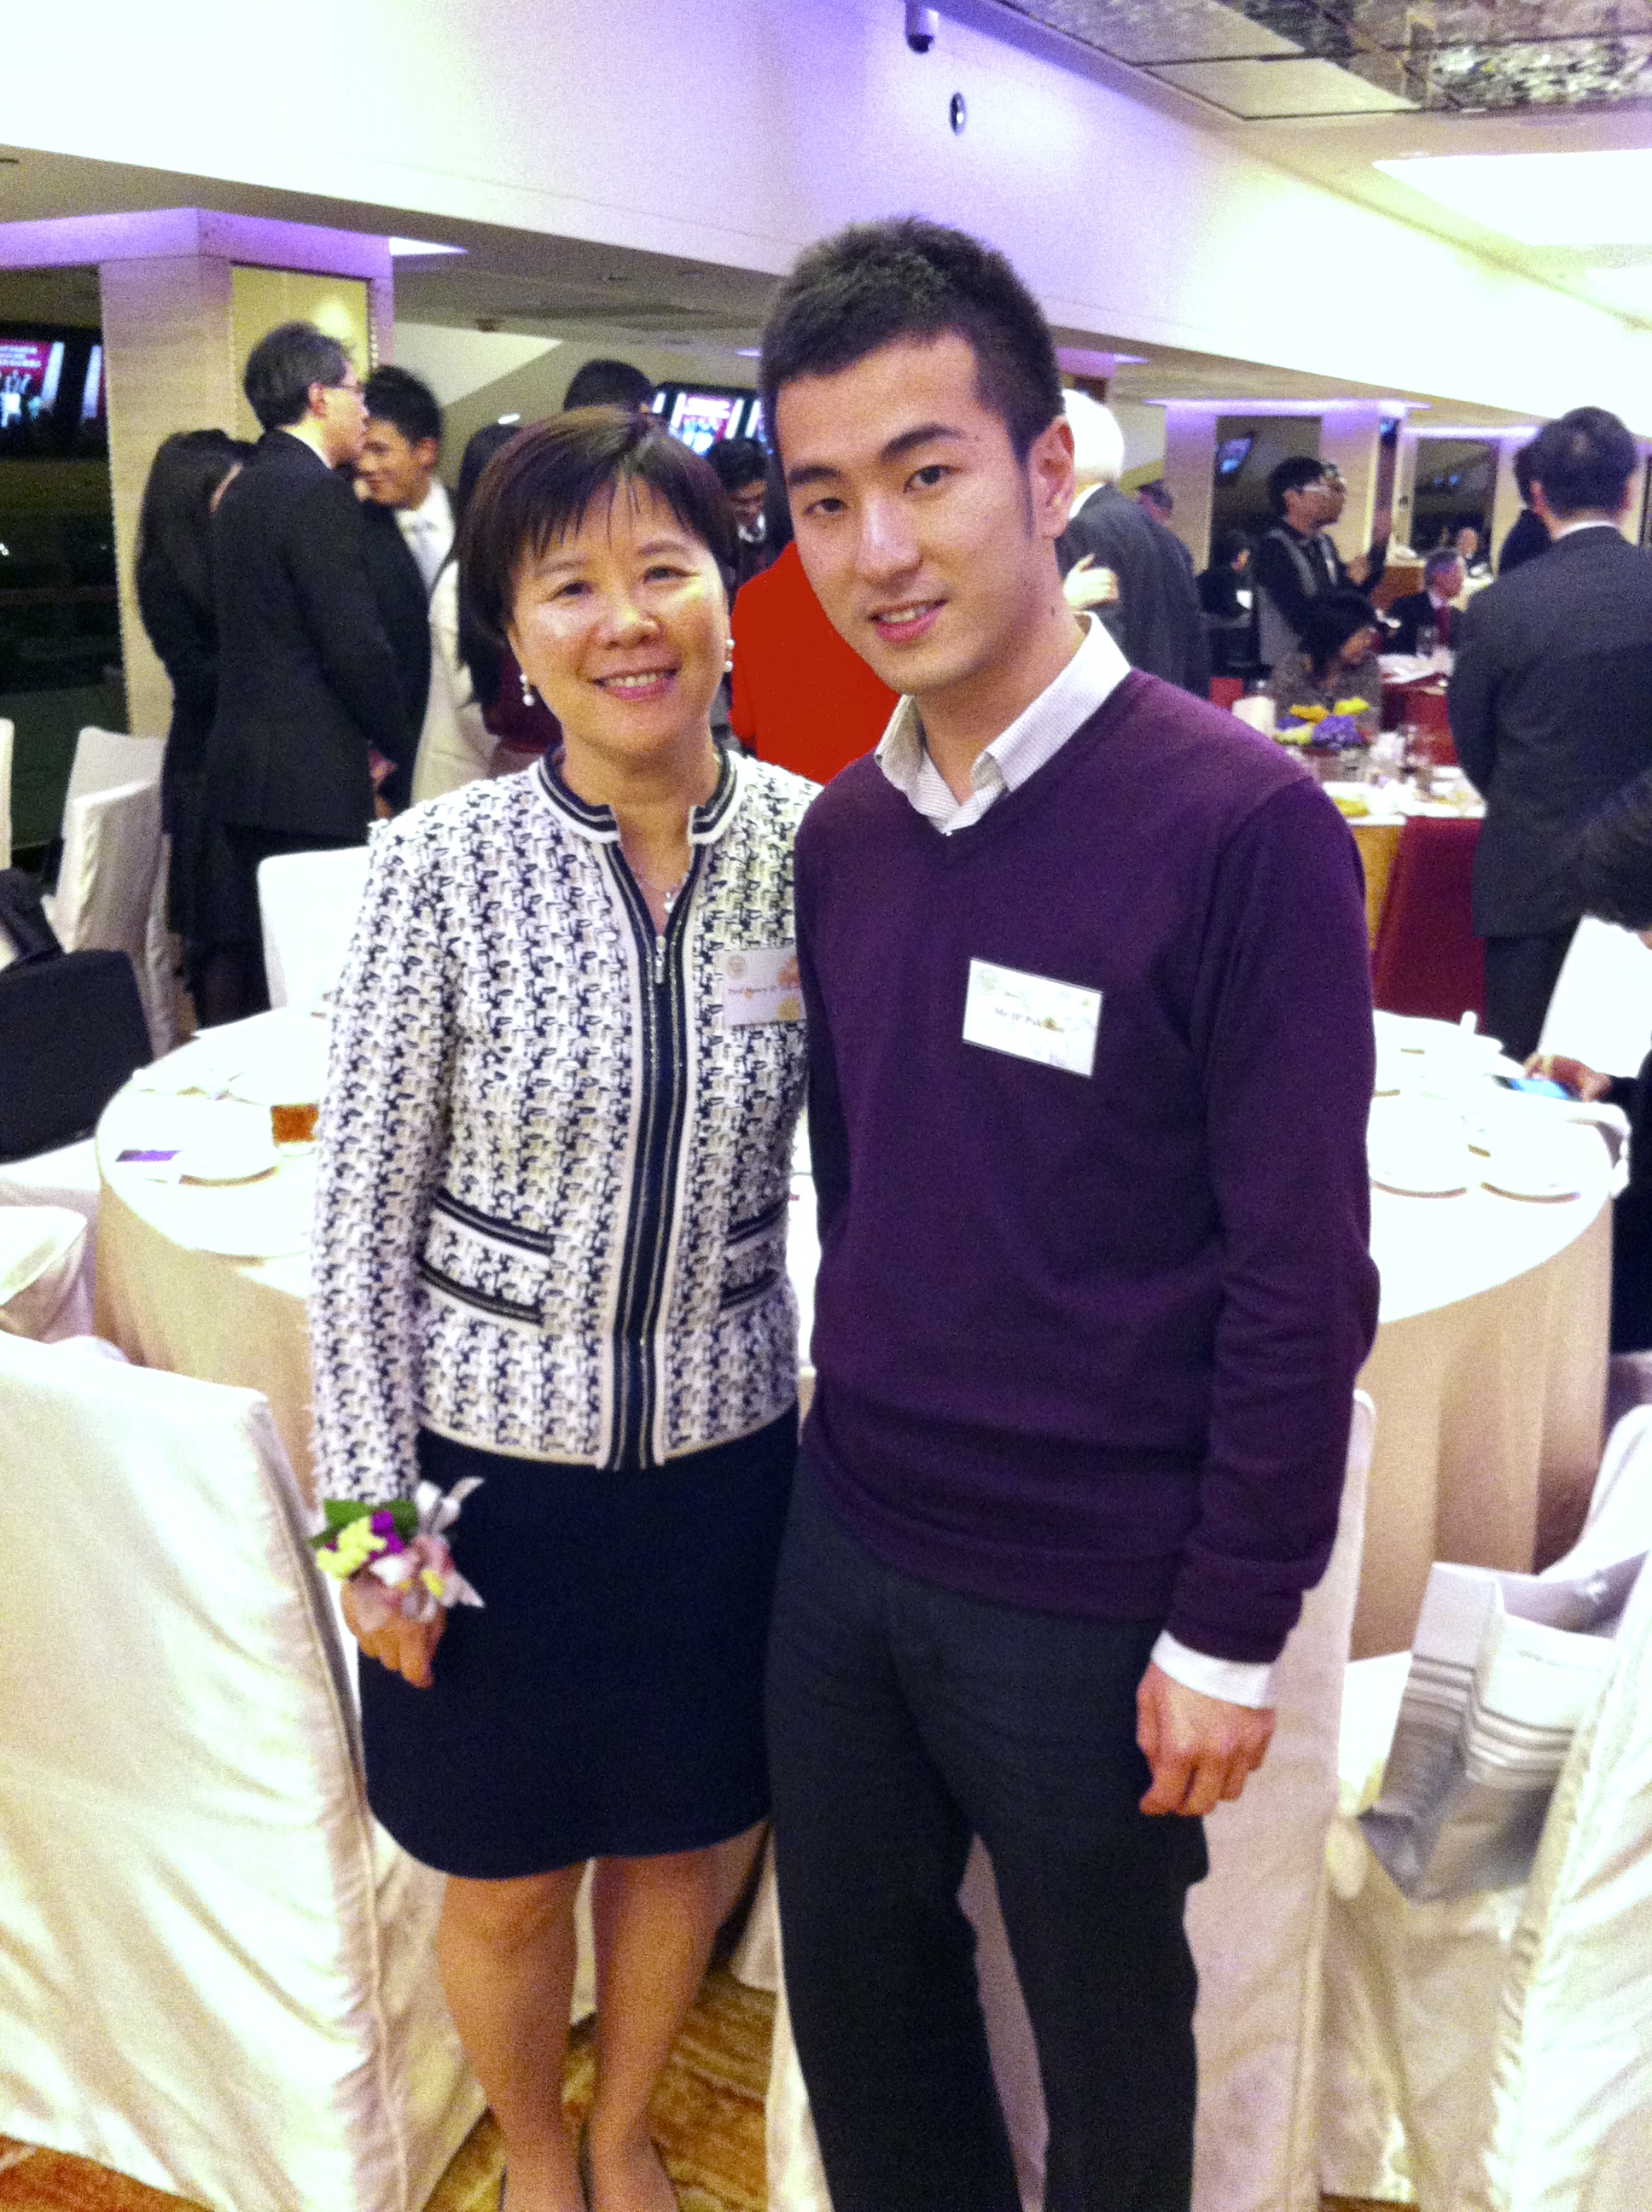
663	1118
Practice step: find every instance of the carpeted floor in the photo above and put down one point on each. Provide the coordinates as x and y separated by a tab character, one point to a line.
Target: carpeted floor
708	2120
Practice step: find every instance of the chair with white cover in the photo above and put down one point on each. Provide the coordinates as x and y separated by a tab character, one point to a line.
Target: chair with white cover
217	1972
1489	2053
307	903
104	759
107	881
45	1282
8	739
1256	1925
1601	1009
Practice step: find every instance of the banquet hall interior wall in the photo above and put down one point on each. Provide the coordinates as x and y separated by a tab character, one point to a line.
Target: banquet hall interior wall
733	133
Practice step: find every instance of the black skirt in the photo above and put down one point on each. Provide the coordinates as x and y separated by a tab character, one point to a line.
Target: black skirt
606	1699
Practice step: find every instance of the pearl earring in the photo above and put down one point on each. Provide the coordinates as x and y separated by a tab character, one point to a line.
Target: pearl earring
527	688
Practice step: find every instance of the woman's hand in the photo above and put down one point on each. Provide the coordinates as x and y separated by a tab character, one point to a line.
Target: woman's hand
1585	1082
406	1647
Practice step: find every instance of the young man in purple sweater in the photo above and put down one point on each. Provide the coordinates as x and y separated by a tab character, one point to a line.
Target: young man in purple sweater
1090	1047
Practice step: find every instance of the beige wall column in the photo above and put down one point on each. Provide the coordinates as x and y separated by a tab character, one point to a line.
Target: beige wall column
1404	484
170	360
1350	435
1190	472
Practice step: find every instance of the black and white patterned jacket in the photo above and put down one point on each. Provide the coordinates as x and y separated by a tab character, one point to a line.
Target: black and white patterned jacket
553	1181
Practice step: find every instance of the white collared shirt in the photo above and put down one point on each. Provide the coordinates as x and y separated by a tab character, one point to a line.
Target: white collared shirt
1589	522
428	531
1036	736
1016	754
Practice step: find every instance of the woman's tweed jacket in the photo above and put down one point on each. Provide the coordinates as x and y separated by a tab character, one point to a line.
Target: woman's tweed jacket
553	1182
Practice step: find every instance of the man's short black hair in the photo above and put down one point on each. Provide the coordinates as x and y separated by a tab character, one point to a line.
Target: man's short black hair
283	365
738	461
542	484
1294	473
1522	469
396	395
1159	495
877	284
608	384
1583	461
1441	558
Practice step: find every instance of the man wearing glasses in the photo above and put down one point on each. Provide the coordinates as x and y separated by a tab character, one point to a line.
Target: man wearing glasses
309	694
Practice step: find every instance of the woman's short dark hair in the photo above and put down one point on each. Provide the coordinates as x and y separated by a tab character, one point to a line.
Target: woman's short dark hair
1330	621
877	284
283	365
174	519
1582	461
546	480
1226	547
397	396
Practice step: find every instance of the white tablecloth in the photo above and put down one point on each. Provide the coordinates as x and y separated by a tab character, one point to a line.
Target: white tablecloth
1488	1372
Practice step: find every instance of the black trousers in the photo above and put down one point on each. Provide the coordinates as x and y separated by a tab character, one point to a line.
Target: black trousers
1521	974
904	1719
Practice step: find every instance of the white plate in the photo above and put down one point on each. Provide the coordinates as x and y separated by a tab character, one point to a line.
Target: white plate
230	1145
1540	1185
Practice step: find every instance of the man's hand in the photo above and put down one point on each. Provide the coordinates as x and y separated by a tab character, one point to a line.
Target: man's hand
1200	1749
406	1647
1585	1082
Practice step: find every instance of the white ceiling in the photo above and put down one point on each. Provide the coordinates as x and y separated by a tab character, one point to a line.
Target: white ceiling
528	283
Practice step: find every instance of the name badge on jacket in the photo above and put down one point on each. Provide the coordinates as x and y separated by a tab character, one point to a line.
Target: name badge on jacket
762	986
1032	1016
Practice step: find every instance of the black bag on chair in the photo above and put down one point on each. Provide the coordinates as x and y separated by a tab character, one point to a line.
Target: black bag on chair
23	925
71	1032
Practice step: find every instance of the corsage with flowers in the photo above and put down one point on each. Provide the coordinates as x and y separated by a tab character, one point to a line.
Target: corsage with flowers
397	1555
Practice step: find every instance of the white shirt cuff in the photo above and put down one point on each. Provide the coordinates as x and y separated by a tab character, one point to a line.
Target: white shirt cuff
1234	1681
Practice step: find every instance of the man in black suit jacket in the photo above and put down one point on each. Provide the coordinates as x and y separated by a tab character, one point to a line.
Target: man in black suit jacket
1443	575
1152	607
308	690
1550	702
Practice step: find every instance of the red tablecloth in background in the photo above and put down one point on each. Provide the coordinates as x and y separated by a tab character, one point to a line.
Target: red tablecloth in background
1428	959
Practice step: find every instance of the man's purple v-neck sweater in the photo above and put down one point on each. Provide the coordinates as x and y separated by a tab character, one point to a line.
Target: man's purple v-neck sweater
1087	1345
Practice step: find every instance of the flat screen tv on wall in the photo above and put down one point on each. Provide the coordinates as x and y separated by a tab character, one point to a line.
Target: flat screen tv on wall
51	393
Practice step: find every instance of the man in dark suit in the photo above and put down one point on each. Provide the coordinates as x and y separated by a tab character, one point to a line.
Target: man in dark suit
1550	703
1530	534
1430	608
408	528
1151	604
308	690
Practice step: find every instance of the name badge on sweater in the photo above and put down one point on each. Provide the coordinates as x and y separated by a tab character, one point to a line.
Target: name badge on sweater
762	986
1032	1016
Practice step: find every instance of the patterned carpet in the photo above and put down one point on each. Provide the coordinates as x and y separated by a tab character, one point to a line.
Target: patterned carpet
709	2119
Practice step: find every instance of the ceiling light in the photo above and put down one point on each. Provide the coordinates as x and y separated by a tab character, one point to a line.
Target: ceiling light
402	248
1542	199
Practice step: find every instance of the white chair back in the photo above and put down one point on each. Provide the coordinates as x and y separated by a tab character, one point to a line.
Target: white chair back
106	880
45	1289
217	1974
1601	1009
104	758
308	902
1256	1926
8	739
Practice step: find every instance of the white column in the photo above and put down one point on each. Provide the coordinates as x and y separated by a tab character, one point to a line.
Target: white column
1190	472
1350	436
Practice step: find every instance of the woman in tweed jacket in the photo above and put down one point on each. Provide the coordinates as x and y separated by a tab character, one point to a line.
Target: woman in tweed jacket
549	1252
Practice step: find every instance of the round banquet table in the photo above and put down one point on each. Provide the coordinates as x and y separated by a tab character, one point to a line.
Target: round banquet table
1488	1373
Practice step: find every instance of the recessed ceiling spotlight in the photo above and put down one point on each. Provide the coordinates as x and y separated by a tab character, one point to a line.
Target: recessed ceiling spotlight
1542	199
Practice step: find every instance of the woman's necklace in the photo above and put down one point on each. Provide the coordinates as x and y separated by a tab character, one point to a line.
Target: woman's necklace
667	893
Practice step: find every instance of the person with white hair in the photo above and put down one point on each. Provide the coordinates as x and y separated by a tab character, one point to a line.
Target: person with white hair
1113	560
